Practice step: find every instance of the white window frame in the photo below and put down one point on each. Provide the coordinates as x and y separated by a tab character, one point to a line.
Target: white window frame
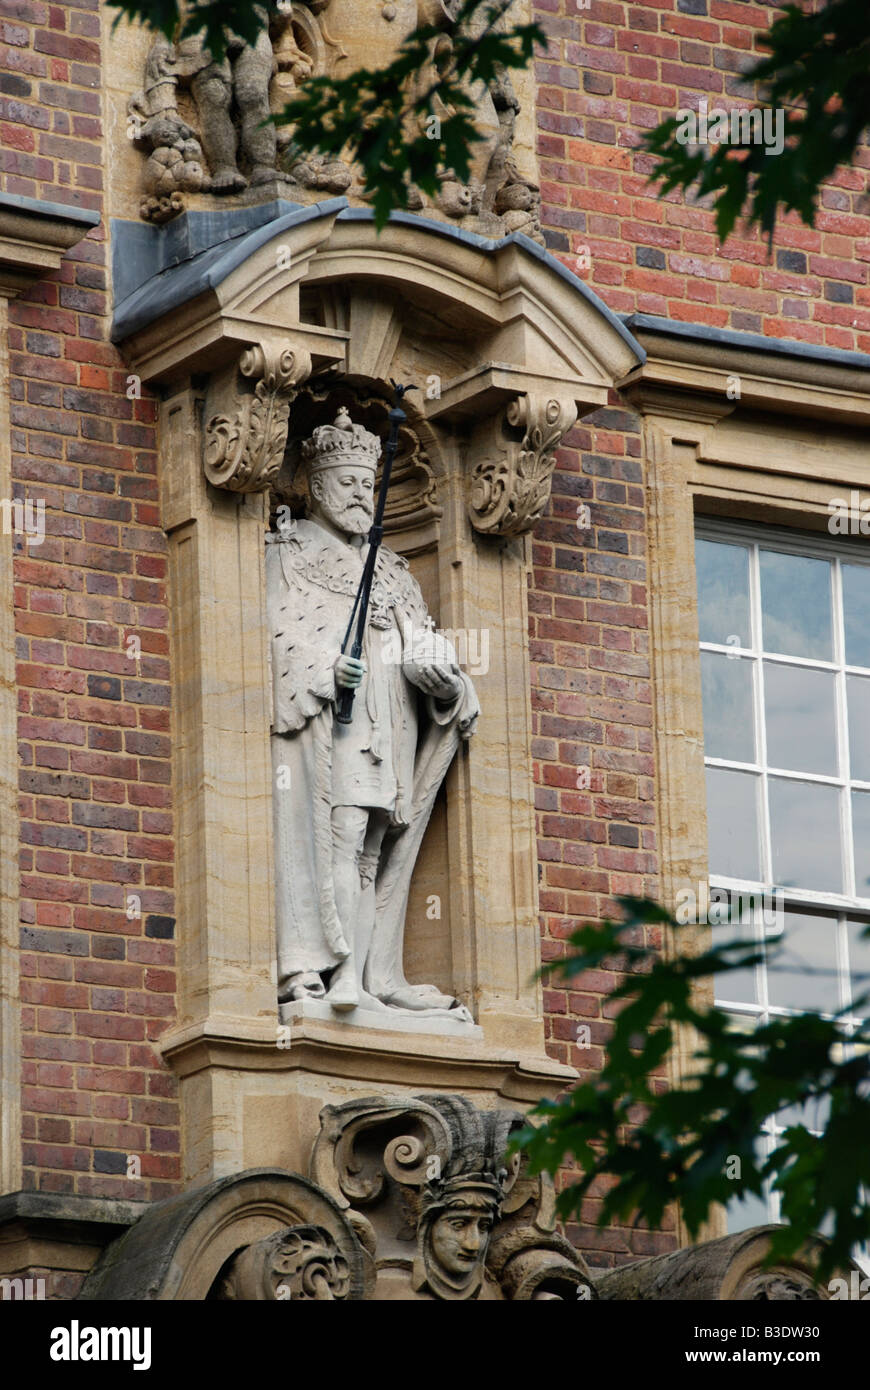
846	906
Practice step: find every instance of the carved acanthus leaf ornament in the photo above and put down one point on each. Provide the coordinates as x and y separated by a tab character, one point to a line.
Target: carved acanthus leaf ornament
509	486
247	415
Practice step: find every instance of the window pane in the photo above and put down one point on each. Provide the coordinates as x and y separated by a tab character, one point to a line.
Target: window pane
746	1208
735	986
802	971
805	835
729	728
723	592
800	715
858	692
859	960
743	1214
813	1114
856	608
732	824
796	605
861	841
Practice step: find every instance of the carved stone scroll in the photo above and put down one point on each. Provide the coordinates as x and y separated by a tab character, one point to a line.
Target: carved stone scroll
445	1214
509	486
302	1263
246	417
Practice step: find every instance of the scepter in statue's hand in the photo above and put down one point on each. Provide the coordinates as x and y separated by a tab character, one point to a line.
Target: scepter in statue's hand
360	610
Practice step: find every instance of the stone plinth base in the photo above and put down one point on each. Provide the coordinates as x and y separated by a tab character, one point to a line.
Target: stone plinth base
251	1097
420	1022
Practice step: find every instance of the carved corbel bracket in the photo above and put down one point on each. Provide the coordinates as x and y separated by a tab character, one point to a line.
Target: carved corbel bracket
247	410
510	478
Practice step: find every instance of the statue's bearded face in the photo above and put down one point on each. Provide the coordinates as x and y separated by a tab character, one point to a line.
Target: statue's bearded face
459	1238
345	497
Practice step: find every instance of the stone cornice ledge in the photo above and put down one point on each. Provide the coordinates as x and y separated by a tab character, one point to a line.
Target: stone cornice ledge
70	1215
692	362
403	1059
34	237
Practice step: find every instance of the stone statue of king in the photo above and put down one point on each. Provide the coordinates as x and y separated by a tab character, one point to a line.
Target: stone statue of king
352	801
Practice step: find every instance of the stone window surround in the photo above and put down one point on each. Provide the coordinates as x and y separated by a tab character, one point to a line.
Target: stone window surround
794	439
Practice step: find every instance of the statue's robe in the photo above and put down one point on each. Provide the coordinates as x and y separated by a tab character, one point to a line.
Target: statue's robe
392	756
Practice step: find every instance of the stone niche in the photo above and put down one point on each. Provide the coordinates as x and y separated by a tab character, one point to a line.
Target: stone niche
251	343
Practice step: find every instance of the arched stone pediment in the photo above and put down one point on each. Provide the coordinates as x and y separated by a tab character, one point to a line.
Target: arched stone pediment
508	299
182	1246
506	344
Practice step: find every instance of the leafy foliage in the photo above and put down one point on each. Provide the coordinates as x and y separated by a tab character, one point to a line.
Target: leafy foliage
652	1145
403	124
816	73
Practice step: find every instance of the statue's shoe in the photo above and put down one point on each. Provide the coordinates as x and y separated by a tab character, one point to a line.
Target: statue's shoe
343	993
343	997
419	997
306	985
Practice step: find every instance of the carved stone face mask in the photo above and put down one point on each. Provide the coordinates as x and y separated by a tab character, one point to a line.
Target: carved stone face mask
453	1239
459	1239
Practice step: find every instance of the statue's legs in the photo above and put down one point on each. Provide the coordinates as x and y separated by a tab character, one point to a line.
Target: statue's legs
252	72
213	92
349	826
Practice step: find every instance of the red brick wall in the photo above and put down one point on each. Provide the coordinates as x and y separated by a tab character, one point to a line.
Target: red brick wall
96	826
615	70
593	750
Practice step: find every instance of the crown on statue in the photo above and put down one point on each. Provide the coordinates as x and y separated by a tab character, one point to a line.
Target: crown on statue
332	446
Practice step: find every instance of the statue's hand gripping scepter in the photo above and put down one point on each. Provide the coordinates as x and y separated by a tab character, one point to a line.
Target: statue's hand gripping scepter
360	610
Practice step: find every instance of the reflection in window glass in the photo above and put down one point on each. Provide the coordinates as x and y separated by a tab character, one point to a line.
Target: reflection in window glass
859	962
856	613
805	835
802	970
737	986
723	592
732	823
728	711
796	605
748	1209
861	841
858	695
813	1114
800	710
